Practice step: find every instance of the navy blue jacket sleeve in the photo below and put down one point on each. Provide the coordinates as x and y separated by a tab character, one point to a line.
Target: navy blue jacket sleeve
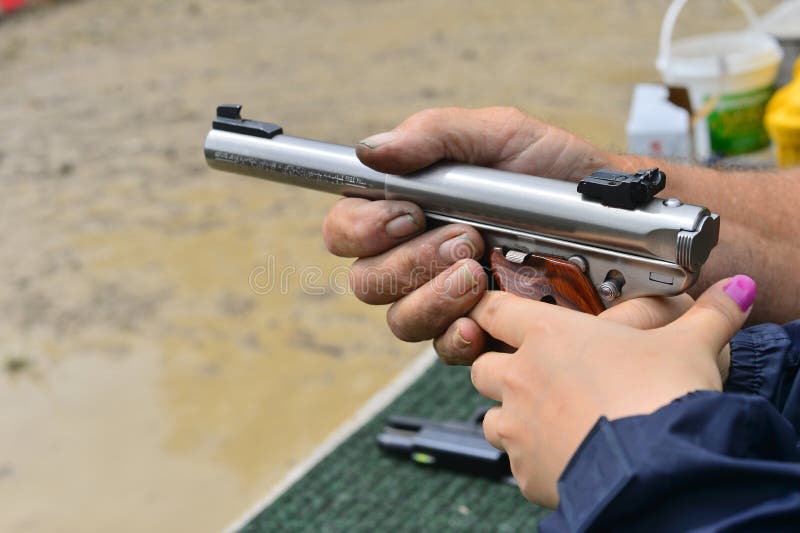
706	462
765	361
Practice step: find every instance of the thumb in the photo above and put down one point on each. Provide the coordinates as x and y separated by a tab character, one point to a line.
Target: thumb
474	136
719	312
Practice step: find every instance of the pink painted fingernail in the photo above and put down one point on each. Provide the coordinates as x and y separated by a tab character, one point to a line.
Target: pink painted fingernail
742	290
380	139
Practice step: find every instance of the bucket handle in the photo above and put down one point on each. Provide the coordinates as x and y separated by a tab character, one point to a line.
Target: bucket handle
668	25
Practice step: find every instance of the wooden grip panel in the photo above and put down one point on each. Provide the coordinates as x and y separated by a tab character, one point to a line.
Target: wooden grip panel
546	278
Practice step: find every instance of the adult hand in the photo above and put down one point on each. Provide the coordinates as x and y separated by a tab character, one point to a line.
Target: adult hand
401	265
571	368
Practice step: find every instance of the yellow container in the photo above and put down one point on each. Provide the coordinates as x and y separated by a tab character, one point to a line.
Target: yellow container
782	120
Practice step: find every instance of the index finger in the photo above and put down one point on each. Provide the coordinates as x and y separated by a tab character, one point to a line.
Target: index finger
507	317
355	227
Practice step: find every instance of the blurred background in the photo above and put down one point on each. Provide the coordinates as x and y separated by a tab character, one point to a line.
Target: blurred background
145	384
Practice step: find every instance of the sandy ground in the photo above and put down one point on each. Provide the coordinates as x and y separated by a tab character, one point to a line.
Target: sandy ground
145	385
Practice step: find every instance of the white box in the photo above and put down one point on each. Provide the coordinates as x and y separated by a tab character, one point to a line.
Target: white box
656	127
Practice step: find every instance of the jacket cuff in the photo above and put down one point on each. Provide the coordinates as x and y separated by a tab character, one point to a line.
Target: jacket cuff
671	457
595	475
757	360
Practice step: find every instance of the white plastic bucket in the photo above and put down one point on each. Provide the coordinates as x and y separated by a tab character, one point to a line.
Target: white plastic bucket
729	77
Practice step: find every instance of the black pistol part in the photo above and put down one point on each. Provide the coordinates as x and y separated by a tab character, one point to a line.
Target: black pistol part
452	445
229	118
621	189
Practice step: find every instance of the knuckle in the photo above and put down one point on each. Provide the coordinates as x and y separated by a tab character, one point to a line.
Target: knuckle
426	118
431	310
504	428
490	419
420	316
512	113
417	261
508	118
330	234
356	282
354	226
369	284
512	381
490	310
443	294
497	428
396	274
420	260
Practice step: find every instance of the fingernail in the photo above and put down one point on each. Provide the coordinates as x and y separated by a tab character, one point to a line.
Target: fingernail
379	139
459	247
460	340
402	226
463	279
742	290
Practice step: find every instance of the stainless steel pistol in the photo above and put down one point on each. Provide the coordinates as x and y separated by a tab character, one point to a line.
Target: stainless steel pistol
587	247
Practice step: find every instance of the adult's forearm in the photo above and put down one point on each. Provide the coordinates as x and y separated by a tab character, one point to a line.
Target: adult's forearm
760	230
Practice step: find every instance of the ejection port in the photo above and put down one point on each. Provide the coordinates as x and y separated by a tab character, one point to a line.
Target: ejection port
662	278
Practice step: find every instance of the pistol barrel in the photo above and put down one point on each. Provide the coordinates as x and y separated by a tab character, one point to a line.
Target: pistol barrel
300	162
667	230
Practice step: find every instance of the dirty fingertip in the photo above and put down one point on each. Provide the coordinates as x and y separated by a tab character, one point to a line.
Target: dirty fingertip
378	140
402	226
461	343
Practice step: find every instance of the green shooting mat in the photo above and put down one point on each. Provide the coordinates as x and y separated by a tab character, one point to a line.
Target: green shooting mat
358	487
